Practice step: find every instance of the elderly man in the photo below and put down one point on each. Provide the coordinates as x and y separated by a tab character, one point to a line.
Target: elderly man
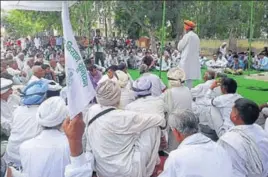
124	143
127	95
220	107
20	61
189	46
216	64
24	125
60	68
176	97
165	64
158	87
199	91
18	76
52	143
38	73
28	68
9	103
246	142
196	155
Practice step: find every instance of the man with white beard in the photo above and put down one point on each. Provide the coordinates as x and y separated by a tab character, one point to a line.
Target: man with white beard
246	142
24	124
123	143
9	103
197	155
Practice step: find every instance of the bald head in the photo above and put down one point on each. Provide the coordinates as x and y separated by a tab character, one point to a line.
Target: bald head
38	71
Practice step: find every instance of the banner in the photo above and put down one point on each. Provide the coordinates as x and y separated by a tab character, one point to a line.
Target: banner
79	87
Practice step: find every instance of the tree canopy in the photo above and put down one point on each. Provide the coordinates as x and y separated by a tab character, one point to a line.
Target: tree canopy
214	19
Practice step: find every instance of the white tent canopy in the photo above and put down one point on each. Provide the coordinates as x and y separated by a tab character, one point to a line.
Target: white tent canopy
34	5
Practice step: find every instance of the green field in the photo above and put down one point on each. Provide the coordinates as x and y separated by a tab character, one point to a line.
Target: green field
258	96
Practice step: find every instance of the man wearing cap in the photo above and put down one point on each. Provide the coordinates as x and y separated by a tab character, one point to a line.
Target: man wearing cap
9	103
123	143
158	87
189	46
24	125
127	95
47	153
146	102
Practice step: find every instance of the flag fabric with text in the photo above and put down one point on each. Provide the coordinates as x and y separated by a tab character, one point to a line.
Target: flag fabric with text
79	87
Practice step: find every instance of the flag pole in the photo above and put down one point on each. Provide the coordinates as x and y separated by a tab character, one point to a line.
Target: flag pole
163	35
250	34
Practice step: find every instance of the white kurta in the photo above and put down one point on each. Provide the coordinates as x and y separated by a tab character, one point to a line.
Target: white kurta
7	110
199	91
127	96
105	77
157	84
124	143
24	127
177	98
223	104
189	46
149	104
33	79
28	71
20	64
265	112
45	155
235	145
198	156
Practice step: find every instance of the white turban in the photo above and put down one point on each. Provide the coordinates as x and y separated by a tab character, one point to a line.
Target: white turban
6	84
122	78
52	112
142	86
175	76
108	93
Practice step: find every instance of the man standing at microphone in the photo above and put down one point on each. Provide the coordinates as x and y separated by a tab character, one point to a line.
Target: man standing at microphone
189	46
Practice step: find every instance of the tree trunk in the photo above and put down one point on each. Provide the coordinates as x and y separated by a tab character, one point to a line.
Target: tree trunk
232	40
152	41
105	27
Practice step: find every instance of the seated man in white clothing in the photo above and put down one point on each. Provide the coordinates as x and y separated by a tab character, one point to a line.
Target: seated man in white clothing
38	73
176	97
24	125
166	62
246	142
127	95
110	75
19	77
20	61
9	102
123	143
48	153
158	87
197	155
218	109
216	64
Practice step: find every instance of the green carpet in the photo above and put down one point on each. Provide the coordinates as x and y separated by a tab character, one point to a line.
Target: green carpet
244	85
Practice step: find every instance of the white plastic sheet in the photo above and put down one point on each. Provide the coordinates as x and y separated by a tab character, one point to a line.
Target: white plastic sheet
35	5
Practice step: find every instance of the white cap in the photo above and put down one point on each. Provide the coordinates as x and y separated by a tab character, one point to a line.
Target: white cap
6	84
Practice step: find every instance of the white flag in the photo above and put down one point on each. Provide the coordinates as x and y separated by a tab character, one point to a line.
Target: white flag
79	87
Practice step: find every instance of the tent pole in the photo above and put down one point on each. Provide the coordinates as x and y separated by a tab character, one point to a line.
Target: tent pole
162	36
250	34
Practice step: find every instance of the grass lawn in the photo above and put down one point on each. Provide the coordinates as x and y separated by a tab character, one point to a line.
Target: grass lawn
258	96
